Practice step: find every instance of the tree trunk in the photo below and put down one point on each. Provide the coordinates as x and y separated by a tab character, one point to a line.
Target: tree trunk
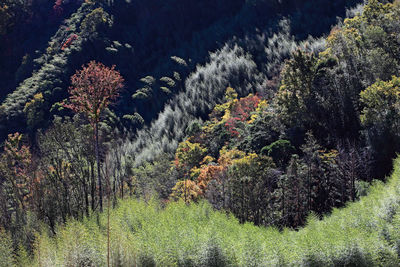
309	188
108	222
85	189
242	202
283	206
66	199
93	185
98	166
122	188
114	191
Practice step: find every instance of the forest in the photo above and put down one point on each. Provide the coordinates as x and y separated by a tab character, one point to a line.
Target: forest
199	133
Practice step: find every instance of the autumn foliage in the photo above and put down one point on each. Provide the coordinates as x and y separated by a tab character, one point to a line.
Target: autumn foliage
69	41
235	111
93	89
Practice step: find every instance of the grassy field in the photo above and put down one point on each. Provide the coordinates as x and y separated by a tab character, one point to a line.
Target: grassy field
365	233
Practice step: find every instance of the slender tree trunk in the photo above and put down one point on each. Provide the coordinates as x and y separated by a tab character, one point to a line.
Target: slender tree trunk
108	190
353	186
298	219
309	188
122	188
85	189
66	197
223	192
114	191
98	166
40	262
242	202
61	201
185	193
108	226
283	205
93	185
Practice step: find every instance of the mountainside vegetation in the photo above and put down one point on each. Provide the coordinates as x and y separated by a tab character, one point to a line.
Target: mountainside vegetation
145	234
119	32
199	133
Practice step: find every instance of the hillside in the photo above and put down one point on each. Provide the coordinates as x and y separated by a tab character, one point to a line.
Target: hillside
144	49
221	133
144	234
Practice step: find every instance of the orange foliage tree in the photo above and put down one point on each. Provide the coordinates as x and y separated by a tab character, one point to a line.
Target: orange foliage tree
93	89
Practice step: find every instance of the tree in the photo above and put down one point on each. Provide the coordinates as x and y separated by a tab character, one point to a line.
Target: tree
264	128
186	190
188	155
5	16
353	164
293	195
296	95
156	176
381	118
6	249
93	89
252	180
312	160
67	159
34	111
13	12
16	183
281	152
95	22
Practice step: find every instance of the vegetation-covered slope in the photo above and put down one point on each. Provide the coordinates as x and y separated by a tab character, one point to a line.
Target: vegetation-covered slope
125	34
310	146
365	233
306	128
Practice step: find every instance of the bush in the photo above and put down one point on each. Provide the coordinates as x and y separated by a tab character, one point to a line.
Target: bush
6	250
195	235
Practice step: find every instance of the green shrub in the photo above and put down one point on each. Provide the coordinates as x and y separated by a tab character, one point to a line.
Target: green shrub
365	233
6	252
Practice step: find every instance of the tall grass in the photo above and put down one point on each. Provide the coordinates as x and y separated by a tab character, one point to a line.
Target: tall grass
365	233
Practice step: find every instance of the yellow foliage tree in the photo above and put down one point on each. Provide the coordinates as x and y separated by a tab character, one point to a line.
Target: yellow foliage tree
186	190
189	155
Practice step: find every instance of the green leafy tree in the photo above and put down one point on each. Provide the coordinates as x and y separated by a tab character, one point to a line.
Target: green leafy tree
95	22
6	250
296	95
381	118
34	111
252	180
189	155
281	151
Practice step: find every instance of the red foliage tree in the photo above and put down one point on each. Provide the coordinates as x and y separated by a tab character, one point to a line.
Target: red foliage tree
240	112
69	41
93	89
231	125
244	106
